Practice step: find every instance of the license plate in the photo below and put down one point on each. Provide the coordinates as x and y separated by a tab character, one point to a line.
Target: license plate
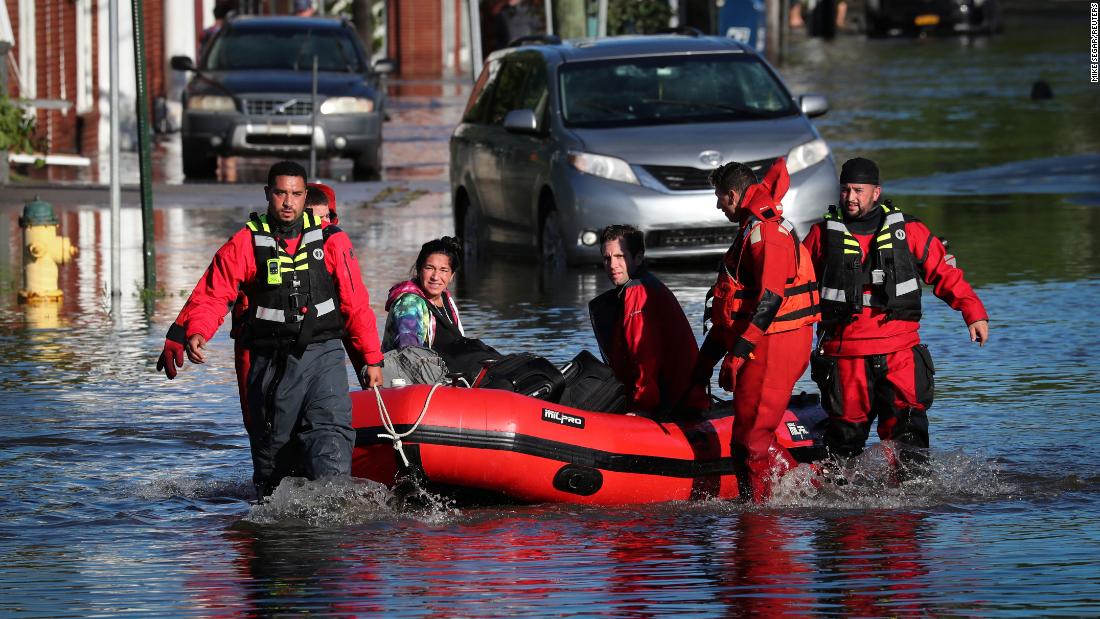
927	20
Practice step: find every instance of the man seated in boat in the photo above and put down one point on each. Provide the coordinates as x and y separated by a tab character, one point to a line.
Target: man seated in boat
642	330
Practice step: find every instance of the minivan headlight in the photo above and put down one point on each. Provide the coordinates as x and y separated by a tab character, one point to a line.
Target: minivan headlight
611	168
806	155
211	103
347	105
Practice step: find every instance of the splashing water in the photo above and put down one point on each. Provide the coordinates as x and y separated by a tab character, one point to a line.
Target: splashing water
196	488
342	501
877	479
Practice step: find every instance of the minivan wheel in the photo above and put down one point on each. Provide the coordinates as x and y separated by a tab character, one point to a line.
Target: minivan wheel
198	163
551	243
469	229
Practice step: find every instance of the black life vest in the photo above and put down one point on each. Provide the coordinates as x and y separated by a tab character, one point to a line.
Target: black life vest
292	301
890	271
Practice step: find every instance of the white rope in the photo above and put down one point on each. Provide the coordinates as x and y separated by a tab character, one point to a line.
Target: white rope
387	423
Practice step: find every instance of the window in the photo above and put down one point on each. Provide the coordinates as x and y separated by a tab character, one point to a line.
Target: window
671	89
509	89
284	48
536	92
478	104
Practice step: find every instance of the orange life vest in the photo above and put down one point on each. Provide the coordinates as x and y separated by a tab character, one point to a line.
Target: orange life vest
801	302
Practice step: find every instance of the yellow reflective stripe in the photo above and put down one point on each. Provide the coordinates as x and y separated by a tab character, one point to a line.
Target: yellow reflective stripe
251	225
885	236
301	256
302	267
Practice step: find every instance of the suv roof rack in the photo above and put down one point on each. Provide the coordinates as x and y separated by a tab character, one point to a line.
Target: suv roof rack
536	39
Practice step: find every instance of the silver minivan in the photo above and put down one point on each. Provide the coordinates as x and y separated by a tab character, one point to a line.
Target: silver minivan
560	139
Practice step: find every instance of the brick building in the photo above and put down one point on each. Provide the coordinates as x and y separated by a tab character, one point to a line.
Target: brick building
60	54
61	51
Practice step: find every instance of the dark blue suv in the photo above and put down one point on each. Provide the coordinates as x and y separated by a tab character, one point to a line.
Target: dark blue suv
252	95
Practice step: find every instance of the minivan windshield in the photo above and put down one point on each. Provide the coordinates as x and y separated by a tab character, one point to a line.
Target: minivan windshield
287	49
670	89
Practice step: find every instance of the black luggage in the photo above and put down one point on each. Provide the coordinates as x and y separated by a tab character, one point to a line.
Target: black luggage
524	373
590	385
467	356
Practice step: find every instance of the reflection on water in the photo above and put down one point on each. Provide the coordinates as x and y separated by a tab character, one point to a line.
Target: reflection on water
127	494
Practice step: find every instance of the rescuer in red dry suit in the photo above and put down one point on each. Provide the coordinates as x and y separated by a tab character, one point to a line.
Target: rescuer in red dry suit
321	201
870	258
765	301
305	293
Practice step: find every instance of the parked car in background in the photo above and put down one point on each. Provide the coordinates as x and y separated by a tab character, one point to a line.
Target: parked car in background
908	17
560	139
251	94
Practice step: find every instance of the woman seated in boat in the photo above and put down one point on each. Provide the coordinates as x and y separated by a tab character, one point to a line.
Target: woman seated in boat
421	310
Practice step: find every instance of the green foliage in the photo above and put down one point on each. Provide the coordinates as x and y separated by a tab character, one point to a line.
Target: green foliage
16	129
637	16
146	294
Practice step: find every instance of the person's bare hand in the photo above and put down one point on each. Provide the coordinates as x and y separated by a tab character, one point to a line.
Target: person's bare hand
196	348
374	376
979	331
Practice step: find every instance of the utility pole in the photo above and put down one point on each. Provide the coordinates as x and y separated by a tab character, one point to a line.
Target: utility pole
364	26
116	190
145	154
475	38
773	46
571	18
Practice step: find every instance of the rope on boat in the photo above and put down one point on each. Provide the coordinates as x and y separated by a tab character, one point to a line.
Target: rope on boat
387	423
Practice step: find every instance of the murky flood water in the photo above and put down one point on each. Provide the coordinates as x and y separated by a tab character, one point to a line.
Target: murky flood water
126	494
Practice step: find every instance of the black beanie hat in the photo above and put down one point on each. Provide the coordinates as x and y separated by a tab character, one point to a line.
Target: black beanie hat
859	170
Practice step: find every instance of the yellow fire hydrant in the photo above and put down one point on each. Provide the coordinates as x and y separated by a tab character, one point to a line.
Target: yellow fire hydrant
43	251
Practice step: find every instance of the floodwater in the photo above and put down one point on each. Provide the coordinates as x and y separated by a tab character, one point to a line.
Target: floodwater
128	495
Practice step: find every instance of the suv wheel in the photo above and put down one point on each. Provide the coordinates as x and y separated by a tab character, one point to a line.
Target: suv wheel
551	243
368	166
197	163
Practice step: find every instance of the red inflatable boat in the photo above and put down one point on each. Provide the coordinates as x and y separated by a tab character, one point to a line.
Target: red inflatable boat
501	443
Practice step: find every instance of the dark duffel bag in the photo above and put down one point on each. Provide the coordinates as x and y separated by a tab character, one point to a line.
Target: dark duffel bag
590	385
524	373
467	356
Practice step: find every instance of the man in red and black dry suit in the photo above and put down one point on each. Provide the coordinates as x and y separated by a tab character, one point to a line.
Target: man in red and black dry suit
765	301
321	201
642	330
870	259
304	293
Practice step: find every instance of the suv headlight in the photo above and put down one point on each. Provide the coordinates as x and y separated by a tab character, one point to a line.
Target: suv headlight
212	103
603	166
806	155
347	105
